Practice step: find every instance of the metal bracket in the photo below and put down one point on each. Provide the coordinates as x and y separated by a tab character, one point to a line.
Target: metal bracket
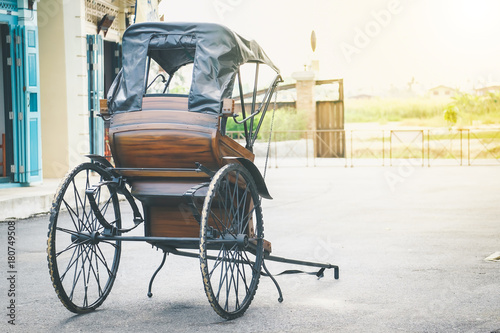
201	168
189	198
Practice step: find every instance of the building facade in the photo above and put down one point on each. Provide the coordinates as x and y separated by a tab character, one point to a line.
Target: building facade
20	109
80	54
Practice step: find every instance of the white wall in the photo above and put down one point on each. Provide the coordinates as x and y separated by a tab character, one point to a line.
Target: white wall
76	81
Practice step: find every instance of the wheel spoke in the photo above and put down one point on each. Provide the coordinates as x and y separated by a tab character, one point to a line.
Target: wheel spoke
72	214
102	259
78	199
116	246
243	275
76	276
72	261
222	275
70	246
233	265
219	261
96	271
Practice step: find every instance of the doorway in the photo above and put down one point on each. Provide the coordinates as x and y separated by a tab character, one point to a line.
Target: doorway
104	62
6	114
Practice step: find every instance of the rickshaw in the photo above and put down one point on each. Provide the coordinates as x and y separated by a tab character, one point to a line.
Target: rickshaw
199	189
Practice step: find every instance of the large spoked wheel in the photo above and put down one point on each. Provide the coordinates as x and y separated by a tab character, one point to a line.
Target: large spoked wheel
231	241
81	267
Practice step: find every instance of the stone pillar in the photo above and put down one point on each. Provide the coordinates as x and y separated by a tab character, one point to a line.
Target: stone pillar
305	95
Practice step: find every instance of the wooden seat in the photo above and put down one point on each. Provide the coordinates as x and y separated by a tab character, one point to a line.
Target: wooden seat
4	166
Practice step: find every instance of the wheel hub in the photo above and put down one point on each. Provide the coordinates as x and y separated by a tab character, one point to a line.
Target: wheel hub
85	237
242	241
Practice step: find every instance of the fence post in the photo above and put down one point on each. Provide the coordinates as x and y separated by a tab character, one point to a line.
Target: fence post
390	148
461	132
428	148
468	145
307	149
383	148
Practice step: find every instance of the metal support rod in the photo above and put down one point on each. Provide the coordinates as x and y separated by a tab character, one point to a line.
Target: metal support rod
254	97
150	294
280	298
272	258
196	255
304	263
186	242
242	102
148	239
265	103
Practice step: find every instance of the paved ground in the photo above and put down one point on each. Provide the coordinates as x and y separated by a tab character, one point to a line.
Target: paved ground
410	243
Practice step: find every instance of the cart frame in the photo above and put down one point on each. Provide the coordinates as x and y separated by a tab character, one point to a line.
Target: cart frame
223	198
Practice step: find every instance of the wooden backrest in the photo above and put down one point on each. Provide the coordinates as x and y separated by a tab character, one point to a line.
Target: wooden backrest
178	103
165	135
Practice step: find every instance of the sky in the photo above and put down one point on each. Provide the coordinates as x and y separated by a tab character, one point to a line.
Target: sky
372	44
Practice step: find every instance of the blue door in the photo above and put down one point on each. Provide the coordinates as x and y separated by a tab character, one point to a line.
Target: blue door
95	65
24	117
28	94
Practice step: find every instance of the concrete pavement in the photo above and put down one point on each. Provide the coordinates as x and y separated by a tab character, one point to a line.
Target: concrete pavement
23	202
410	243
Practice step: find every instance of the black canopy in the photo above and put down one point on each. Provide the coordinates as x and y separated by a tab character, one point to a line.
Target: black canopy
215	51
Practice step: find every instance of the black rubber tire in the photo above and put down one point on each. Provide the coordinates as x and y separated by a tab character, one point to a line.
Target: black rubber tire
82	271
231	272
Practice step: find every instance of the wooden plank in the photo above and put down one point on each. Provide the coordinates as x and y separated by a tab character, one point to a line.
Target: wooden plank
165	103
163	117
172	221
330	116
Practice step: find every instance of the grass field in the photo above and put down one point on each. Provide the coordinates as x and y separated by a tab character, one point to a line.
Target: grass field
466	110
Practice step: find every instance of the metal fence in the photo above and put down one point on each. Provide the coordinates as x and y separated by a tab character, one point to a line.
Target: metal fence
424	147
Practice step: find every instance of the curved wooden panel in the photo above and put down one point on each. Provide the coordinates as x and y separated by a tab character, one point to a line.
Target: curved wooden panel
164	139
164	148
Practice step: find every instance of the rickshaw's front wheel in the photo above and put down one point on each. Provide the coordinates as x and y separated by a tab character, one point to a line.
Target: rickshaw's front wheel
81	267
231	241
